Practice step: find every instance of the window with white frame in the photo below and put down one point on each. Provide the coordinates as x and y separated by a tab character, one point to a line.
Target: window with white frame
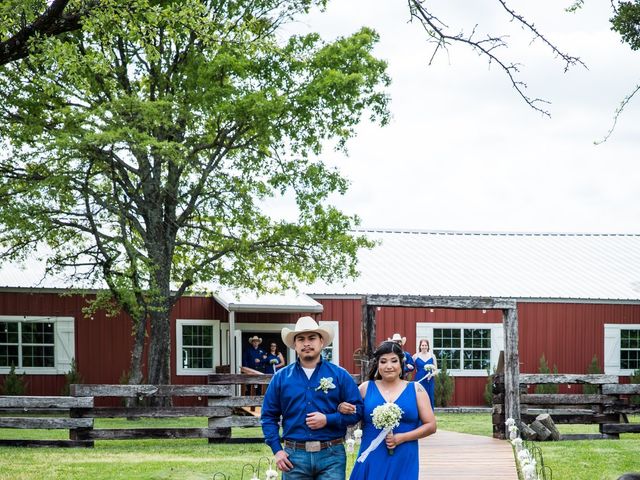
469	349
31	344
198	346
621	348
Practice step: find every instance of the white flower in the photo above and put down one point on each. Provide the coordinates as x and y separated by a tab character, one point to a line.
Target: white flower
387	415
326	384
524	456
350	443
517	442
510	421
273	361
529	472
357	434
271	474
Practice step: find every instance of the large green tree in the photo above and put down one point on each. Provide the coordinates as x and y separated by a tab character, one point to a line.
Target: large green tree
139	150
26	19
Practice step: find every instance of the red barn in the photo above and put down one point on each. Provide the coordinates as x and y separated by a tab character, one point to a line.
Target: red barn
578	295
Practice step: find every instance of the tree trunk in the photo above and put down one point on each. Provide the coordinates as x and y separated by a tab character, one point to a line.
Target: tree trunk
135	365
160	353
159	349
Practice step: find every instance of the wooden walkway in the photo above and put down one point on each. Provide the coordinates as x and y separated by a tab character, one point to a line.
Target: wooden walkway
460	456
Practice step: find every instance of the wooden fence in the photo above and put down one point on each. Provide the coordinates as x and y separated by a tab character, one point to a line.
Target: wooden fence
608	408
76	413
227	407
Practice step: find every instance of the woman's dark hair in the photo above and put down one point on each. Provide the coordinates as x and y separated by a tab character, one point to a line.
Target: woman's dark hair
630	476
383	349
276	344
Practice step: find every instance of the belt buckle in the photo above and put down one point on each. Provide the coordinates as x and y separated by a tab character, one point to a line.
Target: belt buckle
312	446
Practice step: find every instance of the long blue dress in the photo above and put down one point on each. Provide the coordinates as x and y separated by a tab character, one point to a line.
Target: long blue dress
429	385
271	367
379	465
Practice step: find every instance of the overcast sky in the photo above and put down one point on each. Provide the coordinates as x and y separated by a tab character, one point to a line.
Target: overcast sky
464	152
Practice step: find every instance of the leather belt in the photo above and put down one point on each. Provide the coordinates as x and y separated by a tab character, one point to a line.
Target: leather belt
313	446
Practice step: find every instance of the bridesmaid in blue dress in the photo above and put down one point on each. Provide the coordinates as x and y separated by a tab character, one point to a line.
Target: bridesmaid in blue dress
426	357
273	360
386	384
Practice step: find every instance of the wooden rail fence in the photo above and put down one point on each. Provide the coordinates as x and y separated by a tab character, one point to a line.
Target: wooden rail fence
227	407
76	413
608	408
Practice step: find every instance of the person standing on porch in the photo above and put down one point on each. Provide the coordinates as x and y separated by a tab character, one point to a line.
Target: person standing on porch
306	395
252	356
426	370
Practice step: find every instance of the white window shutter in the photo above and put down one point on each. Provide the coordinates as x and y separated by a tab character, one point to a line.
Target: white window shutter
65	343
612	349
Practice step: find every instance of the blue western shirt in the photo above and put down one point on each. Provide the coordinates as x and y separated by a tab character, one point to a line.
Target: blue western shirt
292	395
408	360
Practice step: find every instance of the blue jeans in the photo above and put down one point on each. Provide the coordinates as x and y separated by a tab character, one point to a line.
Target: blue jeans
327	464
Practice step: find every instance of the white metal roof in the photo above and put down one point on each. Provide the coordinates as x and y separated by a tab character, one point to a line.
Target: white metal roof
283	302
547	266
30	275
508	265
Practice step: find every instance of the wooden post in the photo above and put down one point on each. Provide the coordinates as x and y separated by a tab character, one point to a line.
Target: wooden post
511	365
368	335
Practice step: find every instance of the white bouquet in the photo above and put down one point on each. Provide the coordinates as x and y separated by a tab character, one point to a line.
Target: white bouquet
385	417
430	369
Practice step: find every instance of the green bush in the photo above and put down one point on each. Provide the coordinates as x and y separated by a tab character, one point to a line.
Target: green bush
593	368
488	387
72	377
546	387
444	385
14	384
635	378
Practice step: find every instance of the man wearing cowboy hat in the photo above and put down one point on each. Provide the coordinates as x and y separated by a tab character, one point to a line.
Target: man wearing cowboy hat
252	356
409	364
306	395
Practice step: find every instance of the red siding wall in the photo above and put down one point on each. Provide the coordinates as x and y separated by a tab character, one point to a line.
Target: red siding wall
568	334
348	312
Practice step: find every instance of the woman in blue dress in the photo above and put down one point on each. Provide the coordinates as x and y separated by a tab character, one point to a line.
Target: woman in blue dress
423	358
273	360
386	384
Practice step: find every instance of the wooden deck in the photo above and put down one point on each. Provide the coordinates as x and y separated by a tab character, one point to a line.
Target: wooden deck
459	456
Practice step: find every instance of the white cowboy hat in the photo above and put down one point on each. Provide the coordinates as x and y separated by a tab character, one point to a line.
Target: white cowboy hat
255	337
307	325
397	338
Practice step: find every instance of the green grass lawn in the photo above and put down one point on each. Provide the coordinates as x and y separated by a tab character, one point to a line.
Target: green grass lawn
196	459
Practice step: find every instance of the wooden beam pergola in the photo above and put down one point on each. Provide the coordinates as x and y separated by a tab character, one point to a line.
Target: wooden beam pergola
509	309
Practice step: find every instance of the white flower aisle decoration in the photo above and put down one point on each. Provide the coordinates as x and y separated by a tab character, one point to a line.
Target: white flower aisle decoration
271	474
326	384
350	444
357	435
385	417
525	460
